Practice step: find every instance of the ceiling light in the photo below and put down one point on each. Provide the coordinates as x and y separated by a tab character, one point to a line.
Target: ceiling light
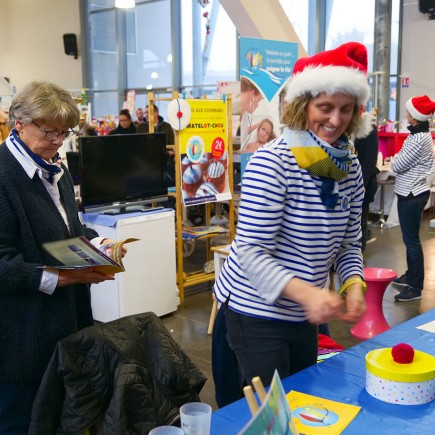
125	4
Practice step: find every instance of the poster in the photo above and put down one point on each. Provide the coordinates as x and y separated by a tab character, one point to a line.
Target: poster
204	153
265	67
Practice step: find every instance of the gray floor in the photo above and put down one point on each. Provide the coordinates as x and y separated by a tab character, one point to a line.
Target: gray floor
189	324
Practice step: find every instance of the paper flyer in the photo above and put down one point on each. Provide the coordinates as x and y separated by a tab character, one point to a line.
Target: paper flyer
274	416
204	153
315	415
79	252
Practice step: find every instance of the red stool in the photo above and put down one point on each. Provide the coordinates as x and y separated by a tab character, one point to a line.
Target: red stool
373	321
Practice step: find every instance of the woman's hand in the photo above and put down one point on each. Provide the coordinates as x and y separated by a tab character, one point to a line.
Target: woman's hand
355	304
319	305
108	250
88	275
322	306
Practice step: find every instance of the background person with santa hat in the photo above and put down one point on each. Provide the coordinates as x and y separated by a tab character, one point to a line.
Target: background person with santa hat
299	216
412	165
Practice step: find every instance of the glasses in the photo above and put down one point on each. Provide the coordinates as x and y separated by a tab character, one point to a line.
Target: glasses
54	134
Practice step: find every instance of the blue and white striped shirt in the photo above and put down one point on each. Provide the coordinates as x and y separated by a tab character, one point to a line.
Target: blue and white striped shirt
285	231
413	164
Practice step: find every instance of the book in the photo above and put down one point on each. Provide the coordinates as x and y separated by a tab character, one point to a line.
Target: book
79	252
274	416
199	231
315	415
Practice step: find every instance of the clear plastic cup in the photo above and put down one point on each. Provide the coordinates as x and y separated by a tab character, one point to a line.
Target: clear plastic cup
195	418
166	430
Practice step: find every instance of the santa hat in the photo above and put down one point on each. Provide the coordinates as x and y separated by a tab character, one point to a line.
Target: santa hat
342	70
420	108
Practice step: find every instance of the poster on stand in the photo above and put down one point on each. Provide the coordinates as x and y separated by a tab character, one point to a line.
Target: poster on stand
204	153
265	67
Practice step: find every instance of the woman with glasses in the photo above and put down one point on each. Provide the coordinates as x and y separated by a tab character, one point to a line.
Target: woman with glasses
39	305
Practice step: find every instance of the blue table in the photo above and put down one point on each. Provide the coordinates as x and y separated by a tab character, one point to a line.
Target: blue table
342	378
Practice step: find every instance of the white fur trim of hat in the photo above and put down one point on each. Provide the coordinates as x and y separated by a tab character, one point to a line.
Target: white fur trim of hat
420	108
331	80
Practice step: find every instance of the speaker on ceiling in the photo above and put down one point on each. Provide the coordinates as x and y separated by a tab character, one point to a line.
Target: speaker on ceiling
70	44
427	7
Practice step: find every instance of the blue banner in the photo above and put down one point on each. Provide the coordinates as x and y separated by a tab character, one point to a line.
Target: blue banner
267	63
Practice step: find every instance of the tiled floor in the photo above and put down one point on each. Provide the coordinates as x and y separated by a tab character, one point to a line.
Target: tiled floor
189	324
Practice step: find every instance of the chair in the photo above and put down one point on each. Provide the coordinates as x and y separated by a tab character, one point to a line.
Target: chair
373	321
128	375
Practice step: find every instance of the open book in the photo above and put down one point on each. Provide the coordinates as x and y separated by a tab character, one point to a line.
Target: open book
79	252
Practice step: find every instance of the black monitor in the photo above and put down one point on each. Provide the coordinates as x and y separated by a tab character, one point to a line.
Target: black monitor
122	170
73	163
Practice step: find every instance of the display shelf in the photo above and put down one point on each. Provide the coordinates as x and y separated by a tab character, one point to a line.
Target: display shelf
198	277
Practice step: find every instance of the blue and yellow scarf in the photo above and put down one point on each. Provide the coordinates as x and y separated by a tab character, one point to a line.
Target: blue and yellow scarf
329	163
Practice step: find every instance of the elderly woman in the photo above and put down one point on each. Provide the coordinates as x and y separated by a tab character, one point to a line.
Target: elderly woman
299	216
38	306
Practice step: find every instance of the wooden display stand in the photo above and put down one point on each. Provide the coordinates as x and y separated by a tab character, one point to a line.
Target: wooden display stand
185	280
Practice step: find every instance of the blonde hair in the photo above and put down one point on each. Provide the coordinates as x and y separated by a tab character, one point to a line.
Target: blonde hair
45	102
295	115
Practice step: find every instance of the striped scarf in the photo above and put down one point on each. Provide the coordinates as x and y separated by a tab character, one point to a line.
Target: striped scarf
49	169
329	163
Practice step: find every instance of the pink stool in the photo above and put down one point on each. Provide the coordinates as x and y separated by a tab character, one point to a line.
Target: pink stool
373	321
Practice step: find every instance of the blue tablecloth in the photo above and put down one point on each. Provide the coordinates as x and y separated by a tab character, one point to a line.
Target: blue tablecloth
342	378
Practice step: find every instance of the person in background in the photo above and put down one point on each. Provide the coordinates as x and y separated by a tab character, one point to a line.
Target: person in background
412	165
366	148
125	125
39	304
4	129
161	126
139	116
299	216
264	135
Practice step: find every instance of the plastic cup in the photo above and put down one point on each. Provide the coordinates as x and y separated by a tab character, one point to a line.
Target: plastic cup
195	418
166	430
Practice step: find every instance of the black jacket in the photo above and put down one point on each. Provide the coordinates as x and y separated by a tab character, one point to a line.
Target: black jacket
129	375
32	322
161	127
367	152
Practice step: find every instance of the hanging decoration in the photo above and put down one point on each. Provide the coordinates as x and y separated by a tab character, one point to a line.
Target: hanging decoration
207	30
178	114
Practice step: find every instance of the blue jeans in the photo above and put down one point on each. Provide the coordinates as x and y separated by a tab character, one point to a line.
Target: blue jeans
410	210
262	345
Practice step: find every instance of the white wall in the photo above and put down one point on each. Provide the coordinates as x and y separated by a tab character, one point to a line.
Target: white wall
31	33
418	59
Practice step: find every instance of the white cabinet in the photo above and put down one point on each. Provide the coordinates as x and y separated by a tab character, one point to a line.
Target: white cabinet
149	280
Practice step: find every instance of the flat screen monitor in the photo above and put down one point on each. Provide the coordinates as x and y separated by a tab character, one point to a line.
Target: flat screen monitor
73	163
122	169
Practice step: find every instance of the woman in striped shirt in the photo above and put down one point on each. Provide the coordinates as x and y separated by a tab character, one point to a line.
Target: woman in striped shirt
412	165
299	216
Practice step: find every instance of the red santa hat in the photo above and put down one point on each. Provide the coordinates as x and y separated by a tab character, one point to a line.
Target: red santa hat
420	108
342	70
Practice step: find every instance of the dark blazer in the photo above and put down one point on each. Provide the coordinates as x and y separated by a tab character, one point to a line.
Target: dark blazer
32	322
